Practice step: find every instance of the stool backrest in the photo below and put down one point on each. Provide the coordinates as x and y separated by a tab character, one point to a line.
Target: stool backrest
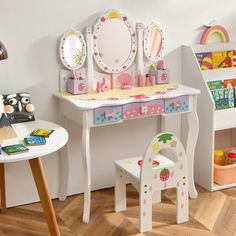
170	175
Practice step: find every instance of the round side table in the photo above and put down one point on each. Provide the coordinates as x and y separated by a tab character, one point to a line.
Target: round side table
56	141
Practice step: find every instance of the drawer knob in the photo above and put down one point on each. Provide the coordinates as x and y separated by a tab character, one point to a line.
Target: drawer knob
109	114
143	109
177	105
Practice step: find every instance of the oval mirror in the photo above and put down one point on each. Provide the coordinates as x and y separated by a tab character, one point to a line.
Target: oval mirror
153	42
72	50
114	42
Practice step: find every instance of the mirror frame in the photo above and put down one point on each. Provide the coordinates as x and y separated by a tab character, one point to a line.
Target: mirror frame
62	45
146	36
106	17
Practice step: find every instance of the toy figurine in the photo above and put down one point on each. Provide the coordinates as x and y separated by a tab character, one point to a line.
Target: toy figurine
104	85
125	80
140	80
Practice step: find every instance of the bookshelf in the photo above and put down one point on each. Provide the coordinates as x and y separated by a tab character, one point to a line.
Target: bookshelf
217	127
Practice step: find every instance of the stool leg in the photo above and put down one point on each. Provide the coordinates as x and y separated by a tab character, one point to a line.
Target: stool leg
2	188
41	184
120	191
145	211
182	204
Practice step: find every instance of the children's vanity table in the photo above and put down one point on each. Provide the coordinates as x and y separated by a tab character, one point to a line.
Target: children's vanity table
124	84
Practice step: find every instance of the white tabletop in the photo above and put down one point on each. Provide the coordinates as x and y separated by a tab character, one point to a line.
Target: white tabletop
87	105
56	140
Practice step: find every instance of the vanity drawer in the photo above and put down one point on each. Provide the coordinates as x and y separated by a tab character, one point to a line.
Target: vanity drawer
179	104
109	114
140	109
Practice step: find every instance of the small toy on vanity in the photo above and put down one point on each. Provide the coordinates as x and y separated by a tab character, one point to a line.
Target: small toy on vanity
161	75
140	80
125	80
102	86
77	85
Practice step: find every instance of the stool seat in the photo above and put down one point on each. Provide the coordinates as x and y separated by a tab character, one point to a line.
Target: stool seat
133	165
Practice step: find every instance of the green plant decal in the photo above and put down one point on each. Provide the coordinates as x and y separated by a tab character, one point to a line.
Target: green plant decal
165	137
77	56
153	67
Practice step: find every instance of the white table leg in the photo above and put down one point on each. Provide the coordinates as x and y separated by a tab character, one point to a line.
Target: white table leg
193	124
86	167
63	167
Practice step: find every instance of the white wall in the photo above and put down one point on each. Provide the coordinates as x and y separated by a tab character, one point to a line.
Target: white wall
31	30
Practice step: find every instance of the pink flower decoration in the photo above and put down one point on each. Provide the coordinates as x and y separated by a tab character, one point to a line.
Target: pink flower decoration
139	96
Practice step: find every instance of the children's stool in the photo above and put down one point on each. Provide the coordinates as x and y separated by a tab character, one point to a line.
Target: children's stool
150	174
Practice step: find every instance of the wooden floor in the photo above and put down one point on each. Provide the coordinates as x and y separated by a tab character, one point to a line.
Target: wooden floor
212	213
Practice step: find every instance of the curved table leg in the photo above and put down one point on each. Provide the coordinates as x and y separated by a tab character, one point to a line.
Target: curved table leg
193	124
41	184
86	167
63	168
2	188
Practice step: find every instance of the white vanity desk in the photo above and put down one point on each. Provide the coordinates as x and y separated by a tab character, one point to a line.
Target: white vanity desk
117	46
84	113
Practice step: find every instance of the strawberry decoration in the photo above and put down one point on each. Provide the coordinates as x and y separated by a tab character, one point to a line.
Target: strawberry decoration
165	137
154	163
165	174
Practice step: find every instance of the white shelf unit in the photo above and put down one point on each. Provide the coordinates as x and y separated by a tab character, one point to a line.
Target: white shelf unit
217	127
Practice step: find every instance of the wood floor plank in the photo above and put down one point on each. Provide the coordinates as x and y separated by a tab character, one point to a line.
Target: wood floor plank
211	214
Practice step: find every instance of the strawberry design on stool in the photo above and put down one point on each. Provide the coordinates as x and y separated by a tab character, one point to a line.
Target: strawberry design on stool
165	174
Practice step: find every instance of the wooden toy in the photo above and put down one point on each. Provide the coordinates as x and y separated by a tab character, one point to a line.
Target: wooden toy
149	178
125	80
18	107
104	85
98	89
161	75
140	80
216	29
6	130
77	86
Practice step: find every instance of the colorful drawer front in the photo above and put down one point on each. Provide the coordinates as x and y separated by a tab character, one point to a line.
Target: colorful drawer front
139	109
105	115
179	104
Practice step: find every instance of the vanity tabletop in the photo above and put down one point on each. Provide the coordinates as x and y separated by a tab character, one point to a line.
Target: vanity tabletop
118	96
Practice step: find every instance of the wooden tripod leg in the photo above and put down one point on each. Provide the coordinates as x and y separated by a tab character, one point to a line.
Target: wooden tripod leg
2	188
41	184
